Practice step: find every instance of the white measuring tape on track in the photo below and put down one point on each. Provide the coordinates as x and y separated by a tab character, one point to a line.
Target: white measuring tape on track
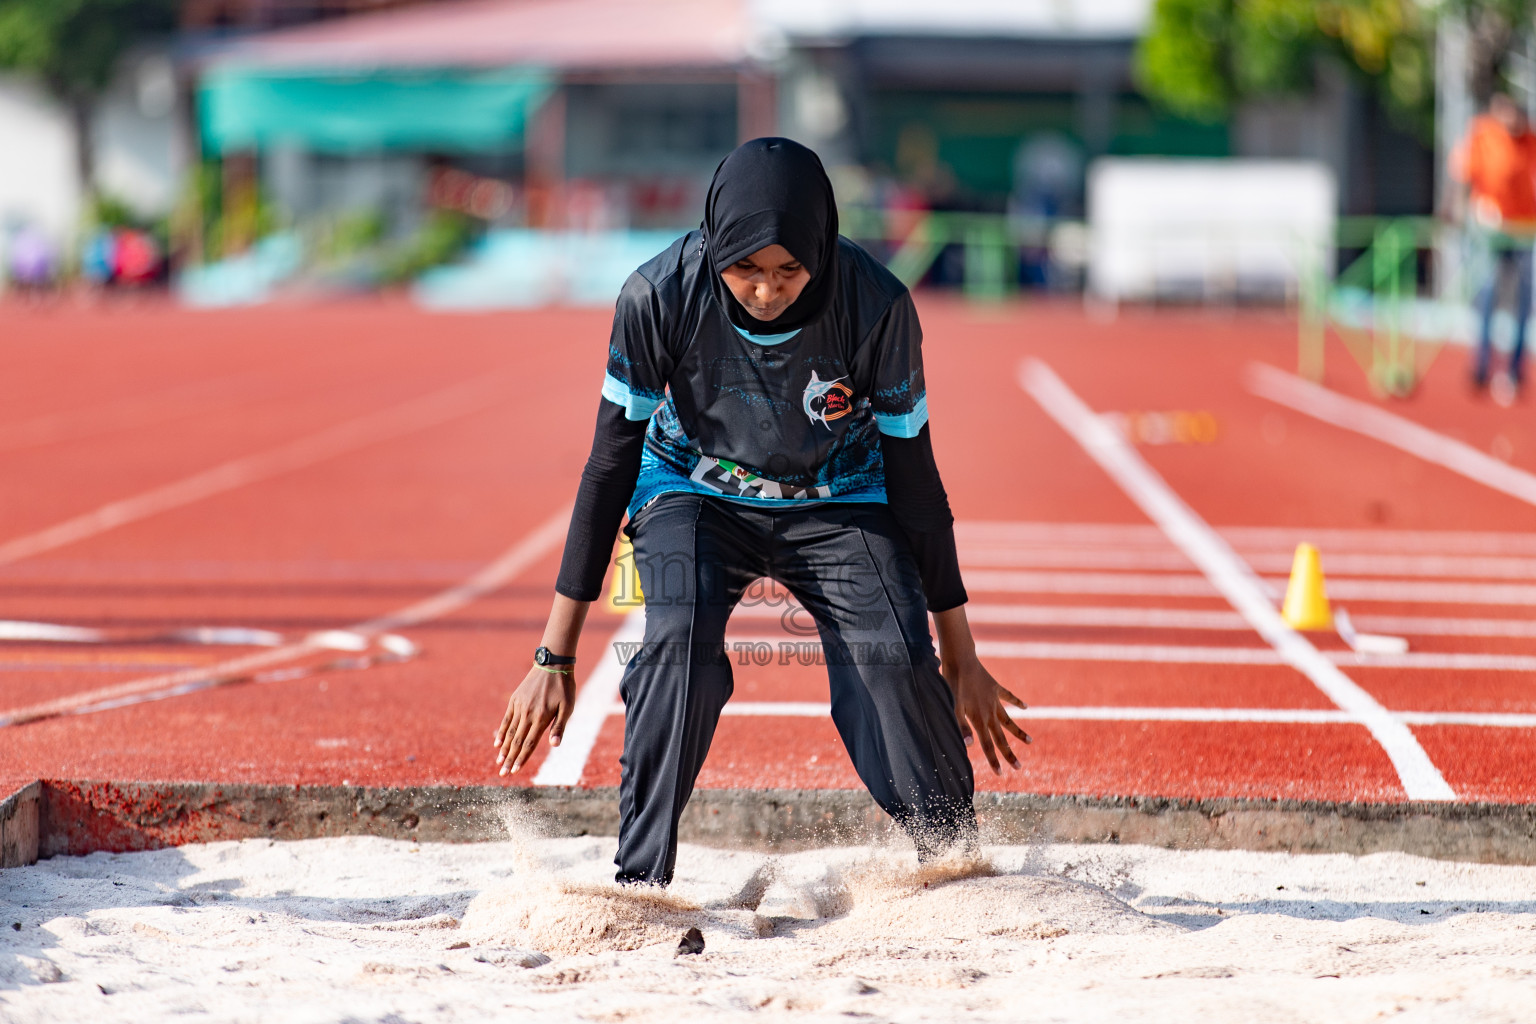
361	650
258	666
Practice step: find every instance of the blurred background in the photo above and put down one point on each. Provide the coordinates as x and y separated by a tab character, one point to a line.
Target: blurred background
477	152
240	399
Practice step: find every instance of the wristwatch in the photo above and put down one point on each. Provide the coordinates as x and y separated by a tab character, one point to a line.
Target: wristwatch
544	656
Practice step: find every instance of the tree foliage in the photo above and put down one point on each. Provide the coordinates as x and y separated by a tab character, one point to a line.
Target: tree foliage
74	45
1201	57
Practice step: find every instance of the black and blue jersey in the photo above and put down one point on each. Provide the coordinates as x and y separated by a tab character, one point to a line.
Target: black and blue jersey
765	419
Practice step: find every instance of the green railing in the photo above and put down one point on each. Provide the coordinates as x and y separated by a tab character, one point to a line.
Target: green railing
1400	263
1387	261
1393	254
991	244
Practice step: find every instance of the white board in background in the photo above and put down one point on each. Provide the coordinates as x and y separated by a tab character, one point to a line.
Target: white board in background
38	183
1207	229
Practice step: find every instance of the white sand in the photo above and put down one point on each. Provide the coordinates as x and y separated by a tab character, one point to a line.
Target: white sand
383	931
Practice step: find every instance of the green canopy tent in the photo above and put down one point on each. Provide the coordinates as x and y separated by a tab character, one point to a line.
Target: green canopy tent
429	110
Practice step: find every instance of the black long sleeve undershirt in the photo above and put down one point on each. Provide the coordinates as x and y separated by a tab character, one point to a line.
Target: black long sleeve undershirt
913	490
607	483
916	498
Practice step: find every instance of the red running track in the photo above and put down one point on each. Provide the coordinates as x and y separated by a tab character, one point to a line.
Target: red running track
343	491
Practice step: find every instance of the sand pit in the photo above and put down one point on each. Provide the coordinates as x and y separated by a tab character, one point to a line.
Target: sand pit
383	931
564	918
997	907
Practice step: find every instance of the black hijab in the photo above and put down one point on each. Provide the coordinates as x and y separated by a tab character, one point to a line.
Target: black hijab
767	192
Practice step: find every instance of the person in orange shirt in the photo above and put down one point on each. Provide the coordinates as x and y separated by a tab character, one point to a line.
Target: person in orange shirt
1497	163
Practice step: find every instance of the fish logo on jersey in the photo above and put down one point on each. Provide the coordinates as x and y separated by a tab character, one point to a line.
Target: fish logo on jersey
827	400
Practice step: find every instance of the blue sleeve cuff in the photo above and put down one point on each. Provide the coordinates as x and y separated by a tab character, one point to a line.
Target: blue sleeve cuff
905	424
636	407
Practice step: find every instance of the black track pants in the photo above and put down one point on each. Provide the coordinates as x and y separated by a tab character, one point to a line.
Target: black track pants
853	570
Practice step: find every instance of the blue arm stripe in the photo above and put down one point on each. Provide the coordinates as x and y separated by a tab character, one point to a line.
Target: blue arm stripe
905	424
636	407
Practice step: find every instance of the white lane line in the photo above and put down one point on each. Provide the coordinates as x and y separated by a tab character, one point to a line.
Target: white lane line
1432	542
1279	716
769	709
1195	619
1164	618
1147	653
565	763
1231	576
134	411
1423	593
1179	655
1122	583
1056	556
982	531
1493	567
527	551
1046	651
1085	615
1334	563
1422	626
1486	719
1170	654
1363	418
406	418
1173	584
1246	538
763	709
1438	660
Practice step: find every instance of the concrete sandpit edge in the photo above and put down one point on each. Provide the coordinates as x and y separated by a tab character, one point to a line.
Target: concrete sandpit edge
63	817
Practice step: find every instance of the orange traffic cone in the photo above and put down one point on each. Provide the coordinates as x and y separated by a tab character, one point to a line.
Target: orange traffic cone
624	593
1306	600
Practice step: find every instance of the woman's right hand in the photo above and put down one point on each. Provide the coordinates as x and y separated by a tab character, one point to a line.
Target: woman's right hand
542	701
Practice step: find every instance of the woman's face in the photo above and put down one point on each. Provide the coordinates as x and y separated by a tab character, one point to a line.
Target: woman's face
766	282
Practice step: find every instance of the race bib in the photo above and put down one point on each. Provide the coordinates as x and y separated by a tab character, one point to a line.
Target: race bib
728	478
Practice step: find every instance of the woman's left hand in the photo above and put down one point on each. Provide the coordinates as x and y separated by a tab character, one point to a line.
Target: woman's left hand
981	706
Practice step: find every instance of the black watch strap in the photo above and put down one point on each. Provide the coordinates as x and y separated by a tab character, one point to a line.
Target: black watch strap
544	656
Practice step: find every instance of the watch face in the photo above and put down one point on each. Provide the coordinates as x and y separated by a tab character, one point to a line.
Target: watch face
541	656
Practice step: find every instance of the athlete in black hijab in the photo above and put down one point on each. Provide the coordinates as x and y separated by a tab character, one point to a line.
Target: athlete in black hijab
773	192
764	414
